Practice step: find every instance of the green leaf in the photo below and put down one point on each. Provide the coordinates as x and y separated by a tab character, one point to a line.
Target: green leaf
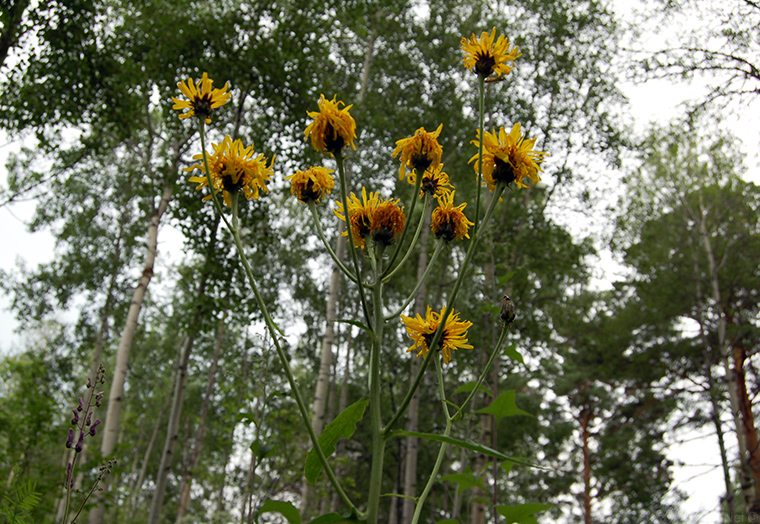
507	465
343	426
466	388
512	353
286	509
465	480
508	276
332	518
467	444
522	513
448	521
260	449
504	406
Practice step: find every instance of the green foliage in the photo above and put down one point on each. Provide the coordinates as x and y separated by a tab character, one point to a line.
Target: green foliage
343	426
17	505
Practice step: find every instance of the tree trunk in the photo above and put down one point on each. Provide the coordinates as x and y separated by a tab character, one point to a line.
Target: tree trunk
187	479
413	412
748	420
9	34
340	448
725	352
134	490
116	394
585	420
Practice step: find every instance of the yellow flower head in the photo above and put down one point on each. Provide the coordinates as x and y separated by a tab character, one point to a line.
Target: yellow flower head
202	99
311	184
508	157
435	182
360	214
486	57
421	330
388	222
449	222
234	168
332	128
420	152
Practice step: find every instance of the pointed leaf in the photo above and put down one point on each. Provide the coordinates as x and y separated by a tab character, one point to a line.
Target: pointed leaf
504	406
286	509
260	449
522	513
465	480
343	426
512	353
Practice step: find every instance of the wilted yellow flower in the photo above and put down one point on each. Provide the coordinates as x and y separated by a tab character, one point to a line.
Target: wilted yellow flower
388	221
508	157
202	99
332	128
486	57
420	152
435	182
360	214
374	218
234	168
449	222
311	184
422	330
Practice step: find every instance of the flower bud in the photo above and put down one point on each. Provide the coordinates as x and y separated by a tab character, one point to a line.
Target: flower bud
68	475
80	407
75	418
92	428
89	419
70	440
80	442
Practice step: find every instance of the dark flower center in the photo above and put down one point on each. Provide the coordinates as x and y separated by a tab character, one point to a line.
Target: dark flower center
333	141
503	171
485	64
446	230
308	192
232	182
421	161
202	106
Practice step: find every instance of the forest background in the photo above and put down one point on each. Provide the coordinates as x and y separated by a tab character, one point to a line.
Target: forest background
619	367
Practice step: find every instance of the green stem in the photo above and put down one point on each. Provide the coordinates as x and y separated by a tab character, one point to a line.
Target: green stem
494	353
408	398
274	334
417	186
481	123
449	306
321	233
438	248
441	451
409	251
351	244
378	442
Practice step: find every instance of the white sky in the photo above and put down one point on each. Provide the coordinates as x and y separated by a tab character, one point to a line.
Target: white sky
654	101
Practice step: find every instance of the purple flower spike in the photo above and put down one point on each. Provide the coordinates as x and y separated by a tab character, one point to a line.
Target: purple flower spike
92	428
70	440
80	442
80	407
75	420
